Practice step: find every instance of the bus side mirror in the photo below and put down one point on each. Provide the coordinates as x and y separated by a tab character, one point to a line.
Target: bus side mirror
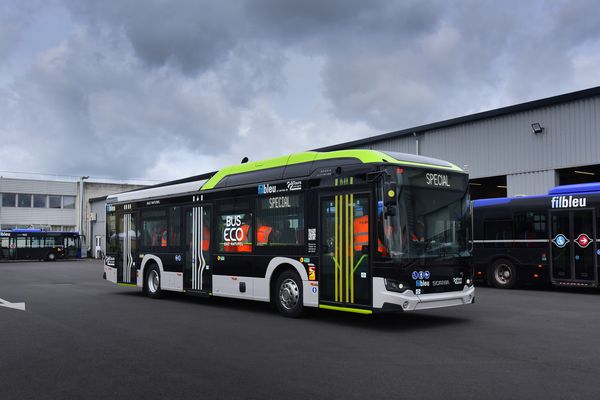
390	211
389	192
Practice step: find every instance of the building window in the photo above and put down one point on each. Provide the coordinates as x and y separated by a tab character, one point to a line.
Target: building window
24	200
9	200
68	201
280	221
54	201
39	201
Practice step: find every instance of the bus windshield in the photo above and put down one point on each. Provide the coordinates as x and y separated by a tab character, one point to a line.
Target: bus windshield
431	216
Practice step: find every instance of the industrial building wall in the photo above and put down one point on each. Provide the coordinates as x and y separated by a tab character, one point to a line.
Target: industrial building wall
98	227
506	145
25	216
531	183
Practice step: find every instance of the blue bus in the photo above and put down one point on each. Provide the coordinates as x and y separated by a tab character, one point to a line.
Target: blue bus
35	244
550	238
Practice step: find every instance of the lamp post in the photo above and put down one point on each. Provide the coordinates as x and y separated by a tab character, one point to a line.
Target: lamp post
81	179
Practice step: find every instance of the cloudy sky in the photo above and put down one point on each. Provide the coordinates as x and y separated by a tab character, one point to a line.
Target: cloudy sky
162	89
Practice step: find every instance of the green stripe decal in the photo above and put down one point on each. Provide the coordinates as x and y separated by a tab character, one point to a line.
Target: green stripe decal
359	261
345	309
126	284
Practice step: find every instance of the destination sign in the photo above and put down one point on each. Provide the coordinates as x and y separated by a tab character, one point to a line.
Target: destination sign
437	180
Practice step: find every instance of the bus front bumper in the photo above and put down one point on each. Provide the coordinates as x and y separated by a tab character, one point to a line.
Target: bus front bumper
385	300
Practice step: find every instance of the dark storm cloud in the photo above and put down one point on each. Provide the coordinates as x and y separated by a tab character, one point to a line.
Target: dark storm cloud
89	106
192	35
385	62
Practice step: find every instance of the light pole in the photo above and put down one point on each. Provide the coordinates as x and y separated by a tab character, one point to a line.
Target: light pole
0	204
81	179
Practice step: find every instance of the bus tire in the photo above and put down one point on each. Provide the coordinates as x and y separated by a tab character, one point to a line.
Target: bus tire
503	274
288	294
51	256
152	283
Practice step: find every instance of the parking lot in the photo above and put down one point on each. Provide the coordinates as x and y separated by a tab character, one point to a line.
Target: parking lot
82	337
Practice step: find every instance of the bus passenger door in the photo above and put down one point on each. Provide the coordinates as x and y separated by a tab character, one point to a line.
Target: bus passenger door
127	245
573	247
197	273
4	247
345	275
12	252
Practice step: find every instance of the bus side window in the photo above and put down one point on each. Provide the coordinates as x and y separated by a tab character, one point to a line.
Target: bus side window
497	232
154	228
234	226
530	226
280	221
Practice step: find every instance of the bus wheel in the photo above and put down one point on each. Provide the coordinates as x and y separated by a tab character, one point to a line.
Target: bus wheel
51	257
503	274
153	283
288	294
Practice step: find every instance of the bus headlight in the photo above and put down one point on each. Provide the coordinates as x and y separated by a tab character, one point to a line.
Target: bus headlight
469	281
395	286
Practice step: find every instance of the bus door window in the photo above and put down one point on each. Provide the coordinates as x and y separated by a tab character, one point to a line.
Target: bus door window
111	233
22	244
345	268
71	247
197	242
174	228
4	247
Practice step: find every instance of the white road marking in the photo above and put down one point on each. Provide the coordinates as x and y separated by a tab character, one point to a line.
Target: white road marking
16	306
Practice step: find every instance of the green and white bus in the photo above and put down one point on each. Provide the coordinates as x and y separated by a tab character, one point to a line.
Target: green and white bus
355	230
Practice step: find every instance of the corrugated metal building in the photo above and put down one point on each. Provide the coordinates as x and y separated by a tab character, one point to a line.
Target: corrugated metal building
522	149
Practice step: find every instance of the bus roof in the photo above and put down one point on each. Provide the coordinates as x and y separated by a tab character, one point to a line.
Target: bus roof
35	230
292	166
157	191
312	158
580	188
592	187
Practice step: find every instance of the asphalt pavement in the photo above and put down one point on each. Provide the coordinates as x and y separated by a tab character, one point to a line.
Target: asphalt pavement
81	337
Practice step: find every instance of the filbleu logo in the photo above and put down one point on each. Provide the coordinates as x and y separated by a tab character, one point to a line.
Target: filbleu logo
266	188
568	202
